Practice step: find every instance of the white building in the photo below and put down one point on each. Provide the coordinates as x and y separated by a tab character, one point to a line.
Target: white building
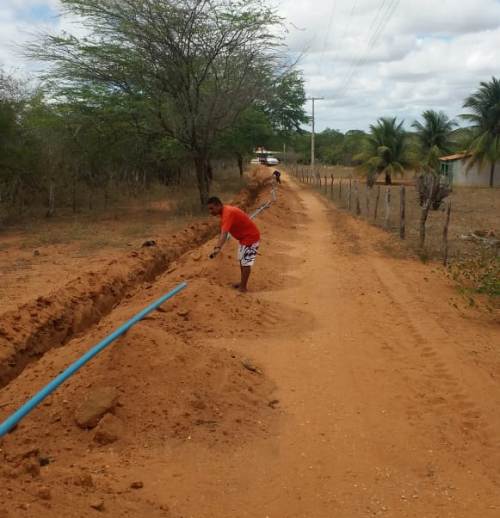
455	167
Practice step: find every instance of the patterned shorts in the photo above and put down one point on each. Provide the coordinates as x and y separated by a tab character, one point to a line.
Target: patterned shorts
248	253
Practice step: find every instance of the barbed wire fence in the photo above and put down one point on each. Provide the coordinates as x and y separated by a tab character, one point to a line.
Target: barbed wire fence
395	208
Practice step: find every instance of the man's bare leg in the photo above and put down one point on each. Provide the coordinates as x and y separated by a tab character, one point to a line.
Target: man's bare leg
245	274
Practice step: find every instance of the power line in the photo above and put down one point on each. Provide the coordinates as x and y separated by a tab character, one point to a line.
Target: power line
349	21
379	12
388	13
355	64
329	27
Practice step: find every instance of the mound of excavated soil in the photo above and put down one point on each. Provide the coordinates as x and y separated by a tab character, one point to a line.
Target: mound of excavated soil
50	321
159	386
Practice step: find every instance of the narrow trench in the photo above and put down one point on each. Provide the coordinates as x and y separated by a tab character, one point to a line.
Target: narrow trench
27	333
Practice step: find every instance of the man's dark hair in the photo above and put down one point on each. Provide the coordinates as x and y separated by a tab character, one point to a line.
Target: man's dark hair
214	201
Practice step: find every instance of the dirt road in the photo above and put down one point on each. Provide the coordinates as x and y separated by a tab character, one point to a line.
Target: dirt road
378	394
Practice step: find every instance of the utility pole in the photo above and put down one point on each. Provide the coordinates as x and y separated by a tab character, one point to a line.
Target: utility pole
313	99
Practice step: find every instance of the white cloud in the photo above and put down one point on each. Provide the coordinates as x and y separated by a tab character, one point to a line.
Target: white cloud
427	55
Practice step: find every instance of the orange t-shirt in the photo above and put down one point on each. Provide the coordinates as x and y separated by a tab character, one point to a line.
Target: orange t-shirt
239	225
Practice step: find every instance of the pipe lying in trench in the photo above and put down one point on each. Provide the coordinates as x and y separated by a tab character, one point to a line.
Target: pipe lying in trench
30	405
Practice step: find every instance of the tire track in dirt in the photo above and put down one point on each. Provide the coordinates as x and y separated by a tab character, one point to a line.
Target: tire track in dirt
358	411
440	397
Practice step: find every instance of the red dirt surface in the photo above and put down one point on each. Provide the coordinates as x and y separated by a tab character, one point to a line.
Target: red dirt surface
346	383
31	329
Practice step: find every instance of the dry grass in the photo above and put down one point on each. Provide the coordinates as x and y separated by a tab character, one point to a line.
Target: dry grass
124	220
72	243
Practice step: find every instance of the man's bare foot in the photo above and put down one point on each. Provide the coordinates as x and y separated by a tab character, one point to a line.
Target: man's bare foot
242	290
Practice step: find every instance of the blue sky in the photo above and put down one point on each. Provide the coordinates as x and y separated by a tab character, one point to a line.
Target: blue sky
368	58
39	13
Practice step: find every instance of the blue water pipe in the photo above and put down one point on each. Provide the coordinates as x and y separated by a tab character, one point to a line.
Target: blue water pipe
260	209
30	405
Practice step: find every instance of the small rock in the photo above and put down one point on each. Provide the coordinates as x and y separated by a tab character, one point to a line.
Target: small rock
196	256
137	485
149	243
44	493
109	430
43	461
36	253
198	404
274	403
98	505
99	401
32	468
183	313
249	365
32	452
84	480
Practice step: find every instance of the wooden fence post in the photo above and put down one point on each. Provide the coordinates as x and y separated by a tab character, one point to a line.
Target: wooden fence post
326	184
387	206
367	192
402	213
377	199
445	234
331	188
424	213
358	206
350	194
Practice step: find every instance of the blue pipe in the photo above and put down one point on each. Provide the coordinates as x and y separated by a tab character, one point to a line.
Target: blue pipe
30	405
260	209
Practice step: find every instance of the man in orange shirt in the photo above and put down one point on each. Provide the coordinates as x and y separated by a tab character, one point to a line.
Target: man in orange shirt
237	223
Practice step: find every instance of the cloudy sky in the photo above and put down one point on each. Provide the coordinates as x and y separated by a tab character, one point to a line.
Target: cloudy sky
367	58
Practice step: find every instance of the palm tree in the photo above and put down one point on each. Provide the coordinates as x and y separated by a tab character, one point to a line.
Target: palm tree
434	138
386	150
485	118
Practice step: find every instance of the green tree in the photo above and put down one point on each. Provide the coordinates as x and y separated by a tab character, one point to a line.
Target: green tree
284	103
328	143
434	136
386	150
19	167
252	129
484	105
196	64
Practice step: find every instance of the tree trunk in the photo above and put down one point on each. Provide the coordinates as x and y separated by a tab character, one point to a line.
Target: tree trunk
200	164
52	200
239	157
74	191
492	174
209	172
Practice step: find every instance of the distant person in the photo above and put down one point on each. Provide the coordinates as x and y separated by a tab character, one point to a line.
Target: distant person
237	223
277	175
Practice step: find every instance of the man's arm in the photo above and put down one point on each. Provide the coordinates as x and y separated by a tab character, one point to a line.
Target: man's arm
220	243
